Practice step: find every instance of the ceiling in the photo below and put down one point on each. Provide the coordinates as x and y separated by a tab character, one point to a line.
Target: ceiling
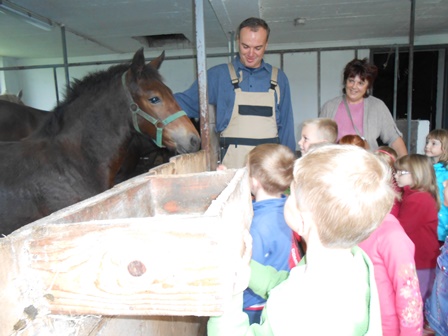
101	27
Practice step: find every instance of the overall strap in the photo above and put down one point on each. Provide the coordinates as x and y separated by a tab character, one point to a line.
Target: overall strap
233	77
274	83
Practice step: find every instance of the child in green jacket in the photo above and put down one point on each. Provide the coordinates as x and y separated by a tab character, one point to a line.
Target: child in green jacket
339	196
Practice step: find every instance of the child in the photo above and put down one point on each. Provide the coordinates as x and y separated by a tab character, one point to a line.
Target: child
418	214
436	307
392	254
437	149
339	195
353	139
316	131
270	174
388	155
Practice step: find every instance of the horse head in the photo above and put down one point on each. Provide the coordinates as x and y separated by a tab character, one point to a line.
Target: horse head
155	111
17	99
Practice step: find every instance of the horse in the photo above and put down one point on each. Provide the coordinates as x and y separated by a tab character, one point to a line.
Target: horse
12	97
77	153
17	121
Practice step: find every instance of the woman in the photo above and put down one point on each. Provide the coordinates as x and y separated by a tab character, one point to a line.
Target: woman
356	112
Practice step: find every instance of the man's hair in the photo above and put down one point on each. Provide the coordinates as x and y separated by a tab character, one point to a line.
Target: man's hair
272	166
254	24
327	128
441	135
346	189
422	172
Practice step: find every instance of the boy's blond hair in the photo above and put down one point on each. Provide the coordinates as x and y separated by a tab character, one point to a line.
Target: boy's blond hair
441	135
346	189
272	165
327	128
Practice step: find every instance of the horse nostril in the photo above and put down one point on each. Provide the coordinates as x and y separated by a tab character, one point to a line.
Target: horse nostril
195	142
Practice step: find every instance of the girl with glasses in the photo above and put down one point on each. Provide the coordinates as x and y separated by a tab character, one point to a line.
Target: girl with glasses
418	214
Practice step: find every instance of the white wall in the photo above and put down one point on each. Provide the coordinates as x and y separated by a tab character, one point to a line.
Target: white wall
300	67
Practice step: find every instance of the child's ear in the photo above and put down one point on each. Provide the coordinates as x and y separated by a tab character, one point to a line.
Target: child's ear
304	222
295	220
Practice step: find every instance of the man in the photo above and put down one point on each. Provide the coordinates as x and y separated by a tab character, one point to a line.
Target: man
252	98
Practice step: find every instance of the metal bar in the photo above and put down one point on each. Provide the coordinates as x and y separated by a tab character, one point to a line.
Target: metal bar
202	80
396	69
55	77
318	82
402	46
411	70
440	88
64	54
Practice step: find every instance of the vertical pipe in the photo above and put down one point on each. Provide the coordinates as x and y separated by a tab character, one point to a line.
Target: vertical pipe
56	85
318	82
411	70
64	51
232	46
202	80
396	68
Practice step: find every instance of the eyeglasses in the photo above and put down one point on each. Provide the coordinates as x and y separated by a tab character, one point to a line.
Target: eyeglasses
402	172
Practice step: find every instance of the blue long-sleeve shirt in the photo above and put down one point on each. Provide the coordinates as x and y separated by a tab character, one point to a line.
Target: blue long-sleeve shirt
441	176
272	240
221	94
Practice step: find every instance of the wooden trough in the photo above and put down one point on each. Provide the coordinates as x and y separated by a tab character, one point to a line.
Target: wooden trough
155	255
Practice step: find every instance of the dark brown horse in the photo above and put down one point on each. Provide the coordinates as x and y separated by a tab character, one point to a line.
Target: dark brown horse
77	153
18	121
12	97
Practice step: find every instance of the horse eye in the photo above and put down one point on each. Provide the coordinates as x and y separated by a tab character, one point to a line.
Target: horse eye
154	100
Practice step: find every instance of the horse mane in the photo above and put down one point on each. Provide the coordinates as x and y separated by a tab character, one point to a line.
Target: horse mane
91	85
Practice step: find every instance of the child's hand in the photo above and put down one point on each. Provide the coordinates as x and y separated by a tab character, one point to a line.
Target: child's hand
242	274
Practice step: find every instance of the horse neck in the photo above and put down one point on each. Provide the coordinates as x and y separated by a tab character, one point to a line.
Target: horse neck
101	127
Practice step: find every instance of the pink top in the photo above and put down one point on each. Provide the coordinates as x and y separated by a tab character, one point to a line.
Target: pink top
345	125
392	255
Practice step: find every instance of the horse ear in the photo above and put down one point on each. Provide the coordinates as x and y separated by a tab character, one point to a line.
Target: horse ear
138	62
157	62
20	94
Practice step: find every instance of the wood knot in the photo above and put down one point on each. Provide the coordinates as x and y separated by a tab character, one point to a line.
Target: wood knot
136	268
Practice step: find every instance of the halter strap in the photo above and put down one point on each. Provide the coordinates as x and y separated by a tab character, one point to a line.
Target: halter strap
135	109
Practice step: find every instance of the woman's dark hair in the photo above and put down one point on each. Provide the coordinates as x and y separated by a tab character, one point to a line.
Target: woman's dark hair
363	69
254	24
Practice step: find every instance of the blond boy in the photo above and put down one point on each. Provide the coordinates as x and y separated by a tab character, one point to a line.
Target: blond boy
339	195
316	131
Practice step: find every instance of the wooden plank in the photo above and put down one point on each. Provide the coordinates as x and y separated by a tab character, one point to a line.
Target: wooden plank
150	266
182	164
176	264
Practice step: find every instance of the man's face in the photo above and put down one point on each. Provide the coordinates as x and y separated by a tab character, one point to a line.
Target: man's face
252	46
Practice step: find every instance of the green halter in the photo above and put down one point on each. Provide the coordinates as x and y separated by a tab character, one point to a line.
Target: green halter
135	109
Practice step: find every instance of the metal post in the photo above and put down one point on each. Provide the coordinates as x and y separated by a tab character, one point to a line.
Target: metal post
55	77
202	80
64	51
396	68
411	70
